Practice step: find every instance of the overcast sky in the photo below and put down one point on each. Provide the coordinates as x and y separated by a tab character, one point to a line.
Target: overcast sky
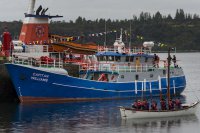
91	9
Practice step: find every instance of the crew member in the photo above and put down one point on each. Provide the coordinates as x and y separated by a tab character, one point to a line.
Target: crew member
178	103
154	105
163	104
171	104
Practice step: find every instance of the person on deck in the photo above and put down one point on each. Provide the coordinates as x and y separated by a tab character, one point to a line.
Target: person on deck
156	61
165	64
174	60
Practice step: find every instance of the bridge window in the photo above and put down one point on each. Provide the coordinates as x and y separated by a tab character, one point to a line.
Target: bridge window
146	59
164	72
104	58
117	58
111	58
127	58
100	58
132	59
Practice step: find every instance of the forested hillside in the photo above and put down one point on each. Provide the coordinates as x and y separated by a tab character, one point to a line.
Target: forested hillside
181	31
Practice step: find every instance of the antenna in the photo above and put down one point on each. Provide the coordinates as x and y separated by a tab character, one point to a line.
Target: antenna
168	74
44	11
105	34
39	10
121	34
130	35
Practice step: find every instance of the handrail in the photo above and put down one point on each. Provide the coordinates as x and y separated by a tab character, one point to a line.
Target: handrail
115	67
37	62
137	50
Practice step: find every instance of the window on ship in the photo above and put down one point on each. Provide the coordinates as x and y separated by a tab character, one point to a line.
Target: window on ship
132	59
164	72
127	58
104	58
100	58
111	58
117	58
146	59
136	77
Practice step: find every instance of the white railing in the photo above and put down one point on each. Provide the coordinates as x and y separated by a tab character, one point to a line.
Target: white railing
115	68
37	62
126	50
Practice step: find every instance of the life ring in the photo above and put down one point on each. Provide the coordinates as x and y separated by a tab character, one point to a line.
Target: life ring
84	66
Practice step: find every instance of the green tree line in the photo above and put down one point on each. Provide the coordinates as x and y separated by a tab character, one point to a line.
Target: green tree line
181	31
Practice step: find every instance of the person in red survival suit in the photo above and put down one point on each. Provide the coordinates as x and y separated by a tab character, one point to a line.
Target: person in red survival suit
178	103
171	104
134	105
154	105
163	104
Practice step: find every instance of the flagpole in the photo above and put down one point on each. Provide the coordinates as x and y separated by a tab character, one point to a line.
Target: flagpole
105	34
130	35
168	75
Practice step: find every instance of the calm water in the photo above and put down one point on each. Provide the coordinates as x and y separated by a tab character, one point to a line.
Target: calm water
102	116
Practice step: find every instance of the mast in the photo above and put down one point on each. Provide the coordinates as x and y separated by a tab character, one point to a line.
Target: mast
105	34
130	35
168	75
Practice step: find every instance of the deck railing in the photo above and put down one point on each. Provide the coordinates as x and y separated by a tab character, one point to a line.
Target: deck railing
116	67
37	62
136	50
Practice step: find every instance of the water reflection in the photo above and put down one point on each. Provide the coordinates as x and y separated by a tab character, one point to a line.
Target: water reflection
159	124
7	112
71	117
101	116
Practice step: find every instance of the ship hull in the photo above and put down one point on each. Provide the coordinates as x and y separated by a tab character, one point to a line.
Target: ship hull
34	85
